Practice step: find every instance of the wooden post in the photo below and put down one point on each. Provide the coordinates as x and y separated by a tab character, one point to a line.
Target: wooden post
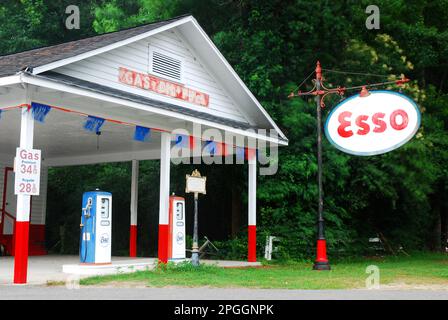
165	158
252	207
22	225
134	210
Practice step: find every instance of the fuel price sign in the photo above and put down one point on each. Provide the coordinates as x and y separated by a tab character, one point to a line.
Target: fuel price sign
27	172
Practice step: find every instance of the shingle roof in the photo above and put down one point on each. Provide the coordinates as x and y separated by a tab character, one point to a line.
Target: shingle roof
13	63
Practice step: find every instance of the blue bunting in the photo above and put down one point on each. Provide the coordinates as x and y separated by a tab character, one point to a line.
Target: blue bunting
93	124
181	140
142	133
240	153
39	111
1	114
210	146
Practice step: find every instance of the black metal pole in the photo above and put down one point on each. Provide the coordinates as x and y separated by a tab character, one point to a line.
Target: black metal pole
195	249
319	165
321	262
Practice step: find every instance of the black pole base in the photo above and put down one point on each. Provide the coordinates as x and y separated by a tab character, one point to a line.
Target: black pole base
321	266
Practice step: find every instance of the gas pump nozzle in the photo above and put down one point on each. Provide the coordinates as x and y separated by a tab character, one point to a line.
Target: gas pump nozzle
86	210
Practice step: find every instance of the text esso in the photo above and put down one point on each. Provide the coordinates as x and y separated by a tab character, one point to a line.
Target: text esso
378	123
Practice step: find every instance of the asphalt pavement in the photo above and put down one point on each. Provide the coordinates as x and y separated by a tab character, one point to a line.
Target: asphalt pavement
26	292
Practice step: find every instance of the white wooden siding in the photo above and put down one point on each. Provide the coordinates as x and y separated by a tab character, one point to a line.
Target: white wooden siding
103	69
39	203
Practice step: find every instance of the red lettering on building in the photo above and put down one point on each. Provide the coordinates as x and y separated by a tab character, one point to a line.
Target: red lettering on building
161	86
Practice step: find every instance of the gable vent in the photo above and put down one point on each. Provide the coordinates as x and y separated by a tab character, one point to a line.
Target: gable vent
166	66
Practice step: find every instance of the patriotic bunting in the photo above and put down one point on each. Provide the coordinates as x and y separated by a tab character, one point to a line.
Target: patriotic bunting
182	140
142	134
93	124
240	153
39	111
210	146
192	142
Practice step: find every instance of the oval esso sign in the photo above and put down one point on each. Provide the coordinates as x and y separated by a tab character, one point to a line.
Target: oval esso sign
378	123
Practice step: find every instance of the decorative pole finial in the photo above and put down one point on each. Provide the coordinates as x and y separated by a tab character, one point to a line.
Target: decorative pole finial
196	173
318	71
364	92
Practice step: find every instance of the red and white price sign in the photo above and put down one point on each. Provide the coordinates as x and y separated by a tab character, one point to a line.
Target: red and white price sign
27	172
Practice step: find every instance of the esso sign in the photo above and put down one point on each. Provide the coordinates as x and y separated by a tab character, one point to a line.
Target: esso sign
378	123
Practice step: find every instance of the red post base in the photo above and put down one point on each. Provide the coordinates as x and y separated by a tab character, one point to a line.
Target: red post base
21	251
321	262
163	243
133	241
252	244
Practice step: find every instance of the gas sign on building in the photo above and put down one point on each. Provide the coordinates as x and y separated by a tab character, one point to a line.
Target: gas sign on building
373	124
27	172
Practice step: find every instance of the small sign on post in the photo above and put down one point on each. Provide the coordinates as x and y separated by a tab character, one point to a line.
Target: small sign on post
27	172
195	183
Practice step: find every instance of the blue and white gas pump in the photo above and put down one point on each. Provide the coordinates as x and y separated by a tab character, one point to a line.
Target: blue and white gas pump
96	227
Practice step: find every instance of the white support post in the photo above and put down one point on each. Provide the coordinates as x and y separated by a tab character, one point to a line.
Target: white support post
252	206
134	209
23	205
165	160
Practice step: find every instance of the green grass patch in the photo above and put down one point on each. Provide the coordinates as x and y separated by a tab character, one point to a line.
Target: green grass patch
419	268
52	283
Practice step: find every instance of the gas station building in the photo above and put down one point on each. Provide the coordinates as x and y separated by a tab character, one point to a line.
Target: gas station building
165	76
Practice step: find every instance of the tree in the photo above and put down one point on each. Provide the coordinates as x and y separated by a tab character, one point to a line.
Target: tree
273	46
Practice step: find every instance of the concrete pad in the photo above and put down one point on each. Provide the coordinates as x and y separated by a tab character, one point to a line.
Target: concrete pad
41	269
57	268
116	267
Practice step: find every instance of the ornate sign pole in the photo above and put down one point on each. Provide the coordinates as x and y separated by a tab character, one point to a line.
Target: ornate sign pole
320	92
195	183
321	262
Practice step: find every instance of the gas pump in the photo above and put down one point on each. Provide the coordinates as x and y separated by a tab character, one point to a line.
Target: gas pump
96	228
176	241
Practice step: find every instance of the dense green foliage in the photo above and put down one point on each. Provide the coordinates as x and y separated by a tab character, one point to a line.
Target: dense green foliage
273	46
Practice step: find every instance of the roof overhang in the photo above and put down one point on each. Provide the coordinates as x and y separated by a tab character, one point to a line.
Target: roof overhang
132	105
10	80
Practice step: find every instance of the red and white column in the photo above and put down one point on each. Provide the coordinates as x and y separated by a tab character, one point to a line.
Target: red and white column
252	206
134	209
22	225
165	159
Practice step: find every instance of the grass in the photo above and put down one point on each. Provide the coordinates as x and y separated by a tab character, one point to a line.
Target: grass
418	269
52	283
